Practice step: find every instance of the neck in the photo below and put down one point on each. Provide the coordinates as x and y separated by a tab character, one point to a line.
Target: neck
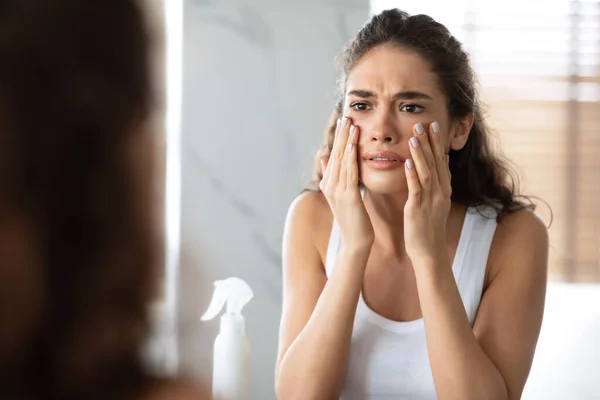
387	216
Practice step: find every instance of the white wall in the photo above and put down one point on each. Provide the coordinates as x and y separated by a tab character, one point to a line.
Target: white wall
567	360
257	92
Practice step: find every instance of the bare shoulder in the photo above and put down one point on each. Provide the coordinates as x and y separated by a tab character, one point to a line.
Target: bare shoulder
310	206
523	225
510	314
181	390
520	242
310	218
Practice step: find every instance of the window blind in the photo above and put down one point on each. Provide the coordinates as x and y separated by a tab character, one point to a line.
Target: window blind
538	66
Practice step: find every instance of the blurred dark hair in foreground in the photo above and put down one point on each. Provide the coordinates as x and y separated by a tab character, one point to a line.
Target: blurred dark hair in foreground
79	248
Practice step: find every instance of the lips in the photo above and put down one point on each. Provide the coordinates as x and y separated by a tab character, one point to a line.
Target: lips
382	156
382	160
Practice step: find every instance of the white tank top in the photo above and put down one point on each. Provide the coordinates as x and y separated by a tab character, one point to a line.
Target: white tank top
389	359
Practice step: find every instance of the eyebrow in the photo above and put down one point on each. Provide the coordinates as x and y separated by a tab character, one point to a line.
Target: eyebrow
408	95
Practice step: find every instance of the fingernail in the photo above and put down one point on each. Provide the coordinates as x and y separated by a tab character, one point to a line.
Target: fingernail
419	128
415	142
352	130
409	164
349	148
337	125
436	127
344	122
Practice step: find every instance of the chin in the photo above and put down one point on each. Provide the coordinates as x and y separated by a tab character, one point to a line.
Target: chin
385	183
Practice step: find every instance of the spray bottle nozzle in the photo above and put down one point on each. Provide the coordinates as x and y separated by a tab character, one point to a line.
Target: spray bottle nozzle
233	291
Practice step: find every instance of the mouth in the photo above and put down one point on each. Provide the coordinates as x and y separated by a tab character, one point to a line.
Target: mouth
382	156
383	160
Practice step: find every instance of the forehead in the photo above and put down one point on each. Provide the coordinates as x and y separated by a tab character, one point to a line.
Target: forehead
387	70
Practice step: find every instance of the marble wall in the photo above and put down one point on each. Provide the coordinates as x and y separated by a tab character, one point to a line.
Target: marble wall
258	87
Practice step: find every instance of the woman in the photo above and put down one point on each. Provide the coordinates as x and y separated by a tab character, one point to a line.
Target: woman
415	272
78	244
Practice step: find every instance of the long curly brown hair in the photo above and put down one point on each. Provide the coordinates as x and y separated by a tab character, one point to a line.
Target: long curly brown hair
77	236
480	175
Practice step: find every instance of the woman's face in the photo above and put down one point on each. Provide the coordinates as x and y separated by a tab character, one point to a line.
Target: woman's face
388	91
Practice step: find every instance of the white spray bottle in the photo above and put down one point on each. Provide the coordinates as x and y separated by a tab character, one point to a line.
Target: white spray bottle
231	351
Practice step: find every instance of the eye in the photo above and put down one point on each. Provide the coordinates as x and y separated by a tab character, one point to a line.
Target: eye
411	108
360	106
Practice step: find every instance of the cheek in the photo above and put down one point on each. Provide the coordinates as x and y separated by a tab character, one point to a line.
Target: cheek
402	124
446	130
407	124
364	128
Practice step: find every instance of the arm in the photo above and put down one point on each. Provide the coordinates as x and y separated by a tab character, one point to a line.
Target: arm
318	314
492	360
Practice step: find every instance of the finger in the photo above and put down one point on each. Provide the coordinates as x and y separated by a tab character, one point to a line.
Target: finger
324	161
345	151
324	173
339	148
440	157
341	137
414	186
420	164
426	149
351	159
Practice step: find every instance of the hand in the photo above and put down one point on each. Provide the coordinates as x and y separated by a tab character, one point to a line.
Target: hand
428	205
340	187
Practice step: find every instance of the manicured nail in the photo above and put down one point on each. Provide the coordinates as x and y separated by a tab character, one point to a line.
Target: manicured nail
419	128
436	127
409	164
415	142
352	130
344	122
349	148
337	125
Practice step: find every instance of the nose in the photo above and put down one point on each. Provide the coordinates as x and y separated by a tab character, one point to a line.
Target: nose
384	129
381	136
